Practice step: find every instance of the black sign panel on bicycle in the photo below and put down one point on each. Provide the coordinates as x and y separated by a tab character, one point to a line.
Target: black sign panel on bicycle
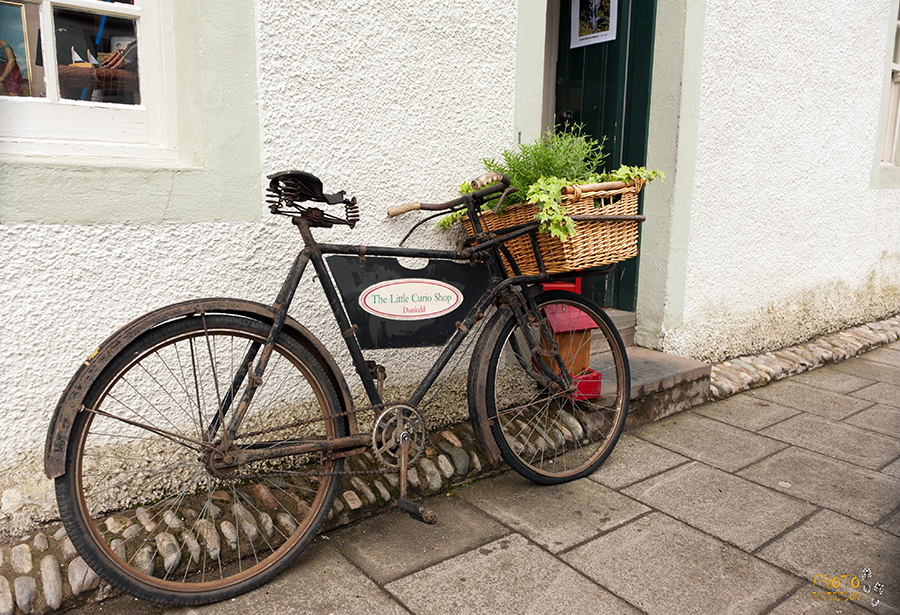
397	307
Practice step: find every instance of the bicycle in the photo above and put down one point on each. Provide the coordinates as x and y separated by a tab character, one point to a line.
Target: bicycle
199	449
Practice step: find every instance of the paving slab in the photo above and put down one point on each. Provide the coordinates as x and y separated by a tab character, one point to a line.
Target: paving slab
633	460
556	517
717	444
665	567
882	393
831	379
829	545
320	582
892	524
892	470
746	411
728	507
873	370
392	545
811	399
512	576
878	418
863	494
837	439
888	356
811	600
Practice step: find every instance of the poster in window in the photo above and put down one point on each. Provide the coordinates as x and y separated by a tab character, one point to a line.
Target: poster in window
14	73
593	21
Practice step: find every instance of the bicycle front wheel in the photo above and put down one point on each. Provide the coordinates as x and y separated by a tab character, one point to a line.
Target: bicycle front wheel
545	433
140	499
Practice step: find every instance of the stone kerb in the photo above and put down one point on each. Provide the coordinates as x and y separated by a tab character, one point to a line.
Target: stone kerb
746	372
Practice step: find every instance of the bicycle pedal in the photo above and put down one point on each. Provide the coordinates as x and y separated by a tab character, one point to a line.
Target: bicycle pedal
417	511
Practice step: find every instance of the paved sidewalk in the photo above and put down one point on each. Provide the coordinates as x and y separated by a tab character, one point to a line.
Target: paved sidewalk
782	500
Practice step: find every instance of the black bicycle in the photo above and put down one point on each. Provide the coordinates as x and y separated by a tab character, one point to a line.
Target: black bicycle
200	448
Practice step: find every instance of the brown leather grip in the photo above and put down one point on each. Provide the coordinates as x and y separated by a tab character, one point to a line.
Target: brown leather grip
486	179
402	209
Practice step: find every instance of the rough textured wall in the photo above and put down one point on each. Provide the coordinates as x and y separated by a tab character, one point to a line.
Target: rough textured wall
786	240
390	101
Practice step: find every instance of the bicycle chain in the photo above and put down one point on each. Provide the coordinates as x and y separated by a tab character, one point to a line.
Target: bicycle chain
310	474
296	424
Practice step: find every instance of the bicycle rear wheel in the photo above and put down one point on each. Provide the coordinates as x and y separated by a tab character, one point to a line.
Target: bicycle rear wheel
139	498
546	434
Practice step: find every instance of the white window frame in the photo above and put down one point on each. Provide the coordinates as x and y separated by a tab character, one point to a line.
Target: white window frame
889	154
54	126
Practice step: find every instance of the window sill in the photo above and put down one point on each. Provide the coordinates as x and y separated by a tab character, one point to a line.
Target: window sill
885	176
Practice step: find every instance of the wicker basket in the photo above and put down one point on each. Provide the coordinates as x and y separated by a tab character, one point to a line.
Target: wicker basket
594	243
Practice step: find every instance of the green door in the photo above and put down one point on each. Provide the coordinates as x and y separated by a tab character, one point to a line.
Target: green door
606	87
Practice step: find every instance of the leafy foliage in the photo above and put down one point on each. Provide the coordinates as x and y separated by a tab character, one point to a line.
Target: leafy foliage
563	153
541	169
628	174
546	193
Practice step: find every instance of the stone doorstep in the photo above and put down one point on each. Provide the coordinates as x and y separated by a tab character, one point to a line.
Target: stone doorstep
625	322
663	385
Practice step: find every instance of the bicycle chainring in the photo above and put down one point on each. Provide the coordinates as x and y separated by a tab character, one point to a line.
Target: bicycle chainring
388	432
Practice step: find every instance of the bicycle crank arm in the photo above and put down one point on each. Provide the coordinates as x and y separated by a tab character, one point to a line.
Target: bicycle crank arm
417	511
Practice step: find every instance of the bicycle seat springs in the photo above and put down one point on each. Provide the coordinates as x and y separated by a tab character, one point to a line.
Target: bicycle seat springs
288	189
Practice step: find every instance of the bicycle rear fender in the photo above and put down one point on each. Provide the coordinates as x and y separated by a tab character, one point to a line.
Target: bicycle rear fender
72	399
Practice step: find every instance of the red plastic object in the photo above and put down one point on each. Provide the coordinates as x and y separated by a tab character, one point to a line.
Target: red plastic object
575	288
566	319
587	385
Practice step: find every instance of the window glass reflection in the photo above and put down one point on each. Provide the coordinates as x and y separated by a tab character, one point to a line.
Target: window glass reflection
96	57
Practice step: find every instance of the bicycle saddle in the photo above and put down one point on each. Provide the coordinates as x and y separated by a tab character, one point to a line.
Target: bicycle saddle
303	186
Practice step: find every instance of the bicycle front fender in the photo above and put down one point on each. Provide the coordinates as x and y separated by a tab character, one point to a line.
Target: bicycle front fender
71	402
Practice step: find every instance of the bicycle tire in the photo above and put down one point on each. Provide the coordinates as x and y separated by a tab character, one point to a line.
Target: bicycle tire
142	506
547	435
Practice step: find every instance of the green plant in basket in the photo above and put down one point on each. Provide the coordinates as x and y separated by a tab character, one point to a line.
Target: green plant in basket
541	169
564	153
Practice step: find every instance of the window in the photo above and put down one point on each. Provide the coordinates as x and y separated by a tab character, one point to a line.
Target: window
889	151
90	78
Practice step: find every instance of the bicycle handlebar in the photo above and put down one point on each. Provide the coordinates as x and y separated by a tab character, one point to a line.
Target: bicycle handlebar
495	182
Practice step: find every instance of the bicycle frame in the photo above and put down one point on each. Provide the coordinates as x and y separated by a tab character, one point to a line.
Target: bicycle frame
500	285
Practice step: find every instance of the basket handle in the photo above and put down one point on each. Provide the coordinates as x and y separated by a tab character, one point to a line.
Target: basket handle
578	189
605	218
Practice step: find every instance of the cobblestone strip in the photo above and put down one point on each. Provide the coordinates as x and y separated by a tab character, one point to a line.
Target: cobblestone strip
743	373
42	573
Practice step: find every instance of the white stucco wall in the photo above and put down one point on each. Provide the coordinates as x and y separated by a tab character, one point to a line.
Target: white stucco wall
774	232
786	239
390	105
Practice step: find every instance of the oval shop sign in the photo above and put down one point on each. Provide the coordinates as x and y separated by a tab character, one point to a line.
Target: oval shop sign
410	299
